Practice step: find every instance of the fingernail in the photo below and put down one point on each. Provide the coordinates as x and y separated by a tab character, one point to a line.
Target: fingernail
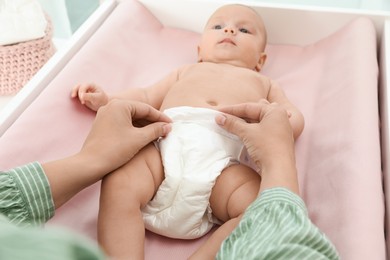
220	119
166	129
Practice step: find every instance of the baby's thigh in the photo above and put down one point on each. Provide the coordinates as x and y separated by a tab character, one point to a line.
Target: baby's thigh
235	189
139	178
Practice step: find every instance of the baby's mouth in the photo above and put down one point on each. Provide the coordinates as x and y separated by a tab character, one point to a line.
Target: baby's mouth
227	40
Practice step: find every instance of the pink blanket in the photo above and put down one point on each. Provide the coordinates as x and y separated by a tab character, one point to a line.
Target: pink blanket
332	81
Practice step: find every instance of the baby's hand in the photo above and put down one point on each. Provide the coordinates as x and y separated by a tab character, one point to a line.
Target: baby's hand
90	95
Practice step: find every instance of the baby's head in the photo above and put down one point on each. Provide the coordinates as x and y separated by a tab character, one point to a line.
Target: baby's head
235	34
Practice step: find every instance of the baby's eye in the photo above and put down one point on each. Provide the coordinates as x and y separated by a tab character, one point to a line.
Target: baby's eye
217	27
243	30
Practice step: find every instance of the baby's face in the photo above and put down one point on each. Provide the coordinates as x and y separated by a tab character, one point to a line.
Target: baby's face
234	35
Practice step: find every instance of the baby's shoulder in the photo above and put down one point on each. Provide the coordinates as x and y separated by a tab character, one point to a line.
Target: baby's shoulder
263	78
185	68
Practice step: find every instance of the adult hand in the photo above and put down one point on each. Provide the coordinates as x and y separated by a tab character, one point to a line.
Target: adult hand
266	132
112	141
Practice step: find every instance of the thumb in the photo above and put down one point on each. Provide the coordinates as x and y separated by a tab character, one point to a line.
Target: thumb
155	130
93	100
232	124
91	97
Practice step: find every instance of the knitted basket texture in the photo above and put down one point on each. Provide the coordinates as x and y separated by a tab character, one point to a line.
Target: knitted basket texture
19	62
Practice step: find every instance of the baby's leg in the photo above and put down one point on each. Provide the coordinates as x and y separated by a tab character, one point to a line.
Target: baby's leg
124	192
235	189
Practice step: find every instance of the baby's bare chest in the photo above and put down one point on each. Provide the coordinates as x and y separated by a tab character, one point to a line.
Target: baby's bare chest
214	86
233	85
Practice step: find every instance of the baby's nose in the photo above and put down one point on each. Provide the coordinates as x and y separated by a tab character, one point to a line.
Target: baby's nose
230	30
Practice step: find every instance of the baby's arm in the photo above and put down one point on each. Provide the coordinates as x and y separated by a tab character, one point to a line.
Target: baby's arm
152	95
94	97
277	95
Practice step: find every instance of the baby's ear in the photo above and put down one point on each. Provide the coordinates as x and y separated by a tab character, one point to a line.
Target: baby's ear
261	61
199	58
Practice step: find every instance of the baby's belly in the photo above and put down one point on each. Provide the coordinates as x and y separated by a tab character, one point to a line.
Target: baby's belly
192	103
196	101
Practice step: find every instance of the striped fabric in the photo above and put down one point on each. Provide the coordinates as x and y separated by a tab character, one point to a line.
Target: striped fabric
25	200
25	196
276	226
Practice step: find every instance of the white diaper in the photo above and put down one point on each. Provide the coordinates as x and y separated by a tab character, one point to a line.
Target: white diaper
194	153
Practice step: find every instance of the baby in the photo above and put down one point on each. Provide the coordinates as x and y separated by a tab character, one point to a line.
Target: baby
187	182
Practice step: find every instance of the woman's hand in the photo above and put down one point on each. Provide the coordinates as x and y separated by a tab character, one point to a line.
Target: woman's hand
266	132
112	141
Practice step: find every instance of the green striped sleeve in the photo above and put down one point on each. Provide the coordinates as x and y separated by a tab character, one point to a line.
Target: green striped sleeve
277	226
25	196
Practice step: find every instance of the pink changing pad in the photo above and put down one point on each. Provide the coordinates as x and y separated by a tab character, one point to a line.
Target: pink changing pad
332	81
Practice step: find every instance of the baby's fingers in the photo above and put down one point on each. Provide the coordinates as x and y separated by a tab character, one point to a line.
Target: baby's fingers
80	89
93	100
75	91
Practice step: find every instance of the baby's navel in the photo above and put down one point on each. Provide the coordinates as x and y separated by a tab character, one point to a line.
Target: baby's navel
212	103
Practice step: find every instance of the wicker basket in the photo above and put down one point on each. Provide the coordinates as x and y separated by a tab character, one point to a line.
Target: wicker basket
19	62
